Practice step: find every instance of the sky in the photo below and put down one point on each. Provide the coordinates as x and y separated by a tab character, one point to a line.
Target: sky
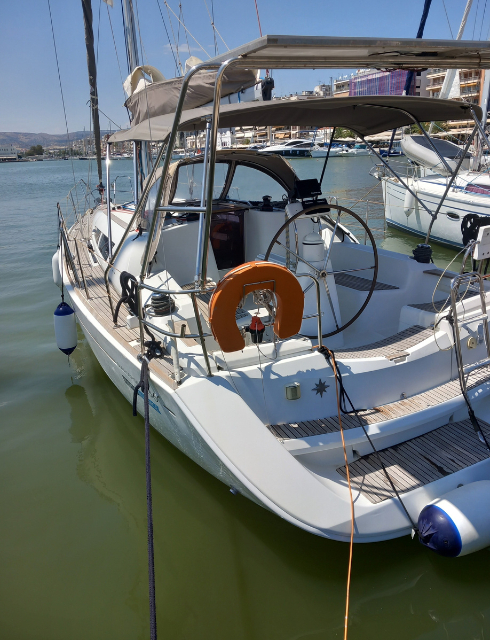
30	99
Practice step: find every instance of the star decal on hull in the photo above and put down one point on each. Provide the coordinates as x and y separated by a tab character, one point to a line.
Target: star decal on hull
320	387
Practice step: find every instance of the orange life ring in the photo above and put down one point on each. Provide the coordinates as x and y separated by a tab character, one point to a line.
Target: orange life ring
244	279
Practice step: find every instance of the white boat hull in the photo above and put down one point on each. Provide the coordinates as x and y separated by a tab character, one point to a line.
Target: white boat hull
241	452
447	227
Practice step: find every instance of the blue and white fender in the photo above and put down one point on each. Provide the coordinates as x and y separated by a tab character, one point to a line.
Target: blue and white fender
65	328
457	523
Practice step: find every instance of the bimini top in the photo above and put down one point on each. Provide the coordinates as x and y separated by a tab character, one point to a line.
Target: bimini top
319	52
365	115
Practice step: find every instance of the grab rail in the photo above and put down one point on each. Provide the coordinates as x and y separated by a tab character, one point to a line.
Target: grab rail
201	336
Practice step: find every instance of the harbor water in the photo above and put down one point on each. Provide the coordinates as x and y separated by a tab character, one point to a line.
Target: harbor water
73	502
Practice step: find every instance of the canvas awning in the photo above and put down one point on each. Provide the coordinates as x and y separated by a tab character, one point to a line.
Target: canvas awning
366	115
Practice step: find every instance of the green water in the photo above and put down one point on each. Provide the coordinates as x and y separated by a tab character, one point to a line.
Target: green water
72	499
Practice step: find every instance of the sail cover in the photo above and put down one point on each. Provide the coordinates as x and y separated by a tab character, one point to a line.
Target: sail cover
160	98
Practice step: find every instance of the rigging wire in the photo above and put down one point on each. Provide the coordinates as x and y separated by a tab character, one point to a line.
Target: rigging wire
115	49
447	18
183	21
258	18
168	36
98	33
215	30
483	19
196	41
61	90
179	67
211	18
476	15
178	28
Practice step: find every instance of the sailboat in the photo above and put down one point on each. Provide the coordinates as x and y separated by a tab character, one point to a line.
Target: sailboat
465	207
341	386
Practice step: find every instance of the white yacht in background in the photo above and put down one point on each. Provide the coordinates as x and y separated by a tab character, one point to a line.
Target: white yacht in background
343	387
296	148
427	179
340	151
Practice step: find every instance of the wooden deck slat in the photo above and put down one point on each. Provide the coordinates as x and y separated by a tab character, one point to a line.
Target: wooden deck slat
389	411
99	303
399	343
360	284
418	461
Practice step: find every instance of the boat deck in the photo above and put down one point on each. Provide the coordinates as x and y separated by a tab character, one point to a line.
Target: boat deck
360	284
94	294
431	398
392	347
419	461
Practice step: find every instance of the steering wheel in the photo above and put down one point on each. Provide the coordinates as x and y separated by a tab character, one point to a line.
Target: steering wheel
321	274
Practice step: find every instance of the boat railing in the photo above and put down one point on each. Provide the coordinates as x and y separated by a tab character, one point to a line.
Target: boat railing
80	198
201	335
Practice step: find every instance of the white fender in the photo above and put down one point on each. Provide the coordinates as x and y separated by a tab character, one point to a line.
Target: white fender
408	203
65	328
55	264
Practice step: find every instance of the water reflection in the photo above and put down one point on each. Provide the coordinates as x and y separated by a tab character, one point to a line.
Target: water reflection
73	526
228	568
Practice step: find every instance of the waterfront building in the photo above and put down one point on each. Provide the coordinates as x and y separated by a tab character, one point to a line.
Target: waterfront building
8	153
470	83
366	82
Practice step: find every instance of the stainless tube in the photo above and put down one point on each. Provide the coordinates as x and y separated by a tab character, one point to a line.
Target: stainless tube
201	334
203	202
168	157
212	161
108	197
175	354
135	170
318	304
181	209
137	211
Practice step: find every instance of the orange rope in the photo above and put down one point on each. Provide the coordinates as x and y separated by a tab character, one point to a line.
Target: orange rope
349	570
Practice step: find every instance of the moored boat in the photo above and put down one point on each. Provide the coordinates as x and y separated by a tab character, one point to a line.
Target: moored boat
308	372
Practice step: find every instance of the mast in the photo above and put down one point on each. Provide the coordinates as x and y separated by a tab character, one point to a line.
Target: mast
92	79
420	34
132	51
451	73
140	149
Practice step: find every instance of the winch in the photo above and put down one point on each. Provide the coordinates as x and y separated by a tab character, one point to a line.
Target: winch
162	304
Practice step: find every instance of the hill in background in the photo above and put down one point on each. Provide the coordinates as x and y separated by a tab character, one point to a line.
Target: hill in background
47	140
